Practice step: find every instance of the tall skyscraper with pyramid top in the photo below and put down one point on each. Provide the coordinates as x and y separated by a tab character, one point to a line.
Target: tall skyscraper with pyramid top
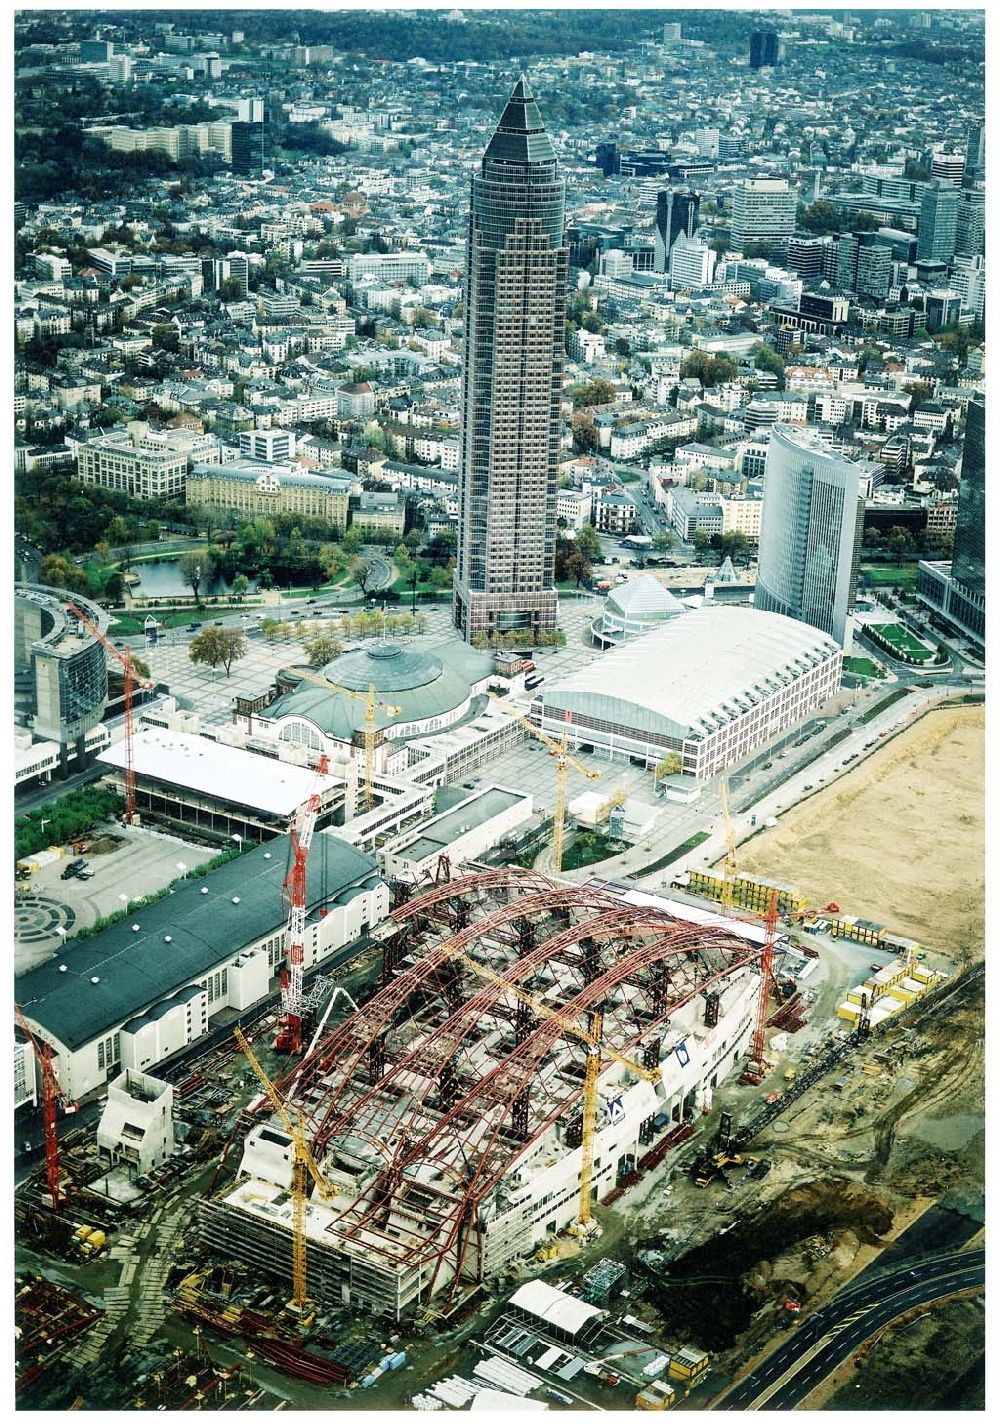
515	311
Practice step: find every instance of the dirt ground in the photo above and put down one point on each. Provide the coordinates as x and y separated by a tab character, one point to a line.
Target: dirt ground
900	839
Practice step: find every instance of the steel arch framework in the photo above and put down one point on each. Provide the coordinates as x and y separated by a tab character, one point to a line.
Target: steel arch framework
449	1080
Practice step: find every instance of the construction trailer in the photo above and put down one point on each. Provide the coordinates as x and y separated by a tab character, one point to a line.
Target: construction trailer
447	1114
752	893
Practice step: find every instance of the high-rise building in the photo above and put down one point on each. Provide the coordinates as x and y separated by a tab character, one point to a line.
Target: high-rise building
968	564
874	267
691	264
950	167
810	535
96	51
763	212
763	49
937	225
975	149
970	223
515	312
676	214
247	147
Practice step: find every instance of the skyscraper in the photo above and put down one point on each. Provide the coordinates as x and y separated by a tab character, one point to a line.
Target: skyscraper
763	49
937	226
248	147
763	212
515	312
968	566
810	535
676	213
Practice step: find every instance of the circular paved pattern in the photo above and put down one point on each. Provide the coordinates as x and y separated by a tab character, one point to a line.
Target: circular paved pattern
36	918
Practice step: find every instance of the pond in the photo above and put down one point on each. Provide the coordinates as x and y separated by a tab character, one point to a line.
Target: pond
165	579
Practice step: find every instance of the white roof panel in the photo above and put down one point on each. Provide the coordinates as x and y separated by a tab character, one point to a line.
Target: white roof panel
554	1306
217	770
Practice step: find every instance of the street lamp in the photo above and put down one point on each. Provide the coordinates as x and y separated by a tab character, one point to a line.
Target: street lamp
123	896
237	838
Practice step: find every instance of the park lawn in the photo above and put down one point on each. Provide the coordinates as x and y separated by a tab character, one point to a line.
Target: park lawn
903	641
903	575
863	668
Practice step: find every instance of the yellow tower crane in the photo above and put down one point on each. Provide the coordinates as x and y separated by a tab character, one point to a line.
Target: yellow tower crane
304	1164
372	704
591	1038
730	867
564	759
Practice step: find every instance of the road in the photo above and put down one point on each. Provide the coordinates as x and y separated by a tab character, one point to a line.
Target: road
821	1342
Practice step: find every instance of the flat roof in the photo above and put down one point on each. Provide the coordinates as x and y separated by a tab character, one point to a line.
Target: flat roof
228	774
136	969
554	1306
471	812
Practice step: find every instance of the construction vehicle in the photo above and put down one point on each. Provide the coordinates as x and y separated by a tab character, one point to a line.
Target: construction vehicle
373	704
52	1097
564	759
289	1038
591	1038
129	682
305	1167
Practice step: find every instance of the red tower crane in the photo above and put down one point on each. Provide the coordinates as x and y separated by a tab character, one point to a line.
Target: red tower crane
52	1095
130	680
754	1072
290	1031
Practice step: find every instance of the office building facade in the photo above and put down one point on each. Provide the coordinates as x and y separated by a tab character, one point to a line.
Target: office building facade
958	591
515	311
763	49
676	216
763	212
937	226
810	535
247	147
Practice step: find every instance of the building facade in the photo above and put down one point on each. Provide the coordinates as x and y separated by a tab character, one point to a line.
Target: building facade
515	309
249	488
810	536
763	212
146	464
676	216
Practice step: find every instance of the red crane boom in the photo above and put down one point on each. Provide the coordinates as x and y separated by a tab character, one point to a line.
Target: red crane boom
755	1069
290	1031
51	1096
125	659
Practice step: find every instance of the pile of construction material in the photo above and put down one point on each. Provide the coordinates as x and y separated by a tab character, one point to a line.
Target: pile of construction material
495	1385
887	992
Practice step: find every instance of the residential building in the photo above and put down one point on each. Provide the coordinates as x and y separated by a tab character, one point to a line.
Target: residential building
614	512
810	536
381	515
515	310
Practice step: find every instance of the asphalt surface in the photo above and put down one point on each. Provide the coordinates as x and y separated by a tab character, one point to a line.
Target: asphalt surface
818	1345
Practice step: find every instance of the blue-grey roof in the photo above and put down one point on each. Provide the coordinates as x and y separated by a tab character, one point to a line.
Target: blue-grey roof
138	970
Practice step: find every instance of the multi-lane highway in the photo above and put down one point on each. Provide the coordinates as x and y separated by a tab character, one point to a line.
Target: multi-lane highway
819	1344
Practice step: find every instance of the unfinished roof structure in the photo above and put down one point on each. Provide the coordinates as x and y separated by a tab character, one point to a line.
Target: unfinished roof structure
446	1112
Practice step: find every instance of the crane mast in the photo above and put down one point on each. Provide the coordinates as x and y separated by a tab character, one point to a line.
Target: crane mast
290	1033
51	1096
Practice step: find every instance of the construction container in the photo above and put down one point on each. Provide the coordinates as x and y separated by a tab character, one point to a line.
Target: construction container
82	1231
657	1396
397	1360
688	1363
97	1240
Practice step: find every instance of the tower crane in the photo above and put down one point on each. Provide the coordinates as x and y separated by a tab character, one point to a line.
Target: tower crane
756	1068
591	1038
290	1032
130	680
564	759
372	704
304	1165
730	867
52	1096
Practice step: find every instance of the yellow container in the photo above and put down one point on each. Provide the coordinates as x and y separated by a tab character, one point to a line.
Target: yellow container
97	1240
82	1231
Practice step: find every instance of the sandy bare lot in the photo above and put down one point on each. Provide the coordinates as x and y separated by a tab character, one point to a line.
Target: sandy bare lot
899	840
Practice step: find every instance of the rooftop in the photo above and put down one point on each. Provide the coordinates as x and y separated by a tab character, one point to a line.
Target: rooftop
136	969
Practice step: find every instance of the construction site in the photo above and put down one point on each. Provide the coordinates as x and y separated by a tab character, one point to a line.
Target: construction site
537	1143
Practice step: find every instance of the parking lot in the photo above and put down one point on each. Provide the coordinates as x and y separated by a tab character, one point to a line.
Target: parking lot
145	862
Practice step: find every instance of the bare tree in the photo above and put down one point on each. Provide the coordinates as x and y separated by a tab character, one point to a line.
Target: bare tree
196	570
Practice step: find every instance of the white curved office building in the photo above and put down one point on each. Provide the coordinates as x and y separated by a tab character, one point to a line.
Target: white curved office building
810	534
712	685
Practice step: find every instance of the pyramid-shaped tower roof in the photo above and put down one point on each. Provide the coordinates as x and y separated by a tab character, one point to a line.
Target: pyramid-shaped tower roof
520	136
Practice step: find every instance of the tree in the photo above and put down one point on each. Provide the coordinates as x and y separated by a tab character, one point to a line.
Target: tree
62	573
668	766
240	586
353	541
578	568
363	572
195	571
664	540
218	648
873	536
767	359
701	541
920	392
321	647
899	540
587	542
598	392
